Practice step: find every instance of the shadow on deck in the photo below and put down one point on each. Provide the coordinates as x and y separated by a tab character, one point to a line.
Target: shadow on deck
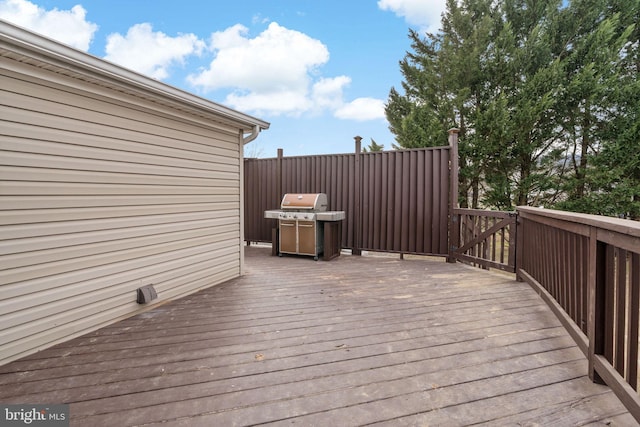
353	341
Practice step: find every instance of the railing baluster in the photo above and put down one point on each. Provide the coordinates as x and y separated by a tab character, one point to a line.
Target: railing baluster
584	252
493	242
621	310
503	248
633	322
610	278
570	271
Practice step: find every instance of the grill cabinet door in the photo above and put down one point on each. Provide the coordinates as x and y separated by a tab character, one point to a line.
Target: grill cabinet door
288	238
307	237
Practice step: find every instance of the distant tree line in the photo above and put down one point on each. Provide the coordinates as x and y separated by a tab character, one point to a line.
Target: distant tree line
546	96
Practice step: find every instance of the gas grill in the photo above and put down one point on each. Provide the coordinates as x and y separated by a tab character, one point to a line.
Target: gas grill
303	220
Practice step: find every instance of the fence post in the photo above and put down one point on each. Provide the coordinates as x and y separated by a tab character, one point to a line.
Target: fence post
275	234
279	176
454	218
357	220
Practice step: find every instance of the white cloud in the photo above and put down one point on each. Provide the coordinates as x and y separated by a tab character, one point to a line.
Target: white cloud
424	14
327	92
287	102
151	52
277	59
362	109
276	72
66	26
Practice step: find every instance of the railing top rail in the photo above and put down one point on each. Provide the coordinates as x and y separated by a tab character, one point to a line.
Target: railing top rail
623	226
482	212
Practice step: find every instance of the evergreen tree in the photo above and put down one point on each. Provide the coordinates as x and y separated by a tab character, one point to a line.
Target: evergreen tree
601	116
545	94
373	147
415	117
524	78
442	87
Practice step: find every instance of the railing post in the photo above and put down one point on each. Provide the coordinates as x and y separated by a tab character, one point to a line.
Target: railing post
454	218
518	229
357	223
596	303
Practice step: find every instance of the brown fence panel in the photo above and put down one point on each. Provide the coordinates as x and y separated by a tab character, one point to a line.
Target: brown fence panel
332	174
260	194
403	196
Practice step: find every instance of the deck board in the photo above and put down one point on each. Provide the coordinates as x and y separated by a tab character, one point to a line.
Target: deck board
353	341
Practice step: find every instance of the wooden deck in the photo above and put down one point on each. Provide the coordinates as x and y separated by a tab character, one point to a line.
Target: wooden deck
353	341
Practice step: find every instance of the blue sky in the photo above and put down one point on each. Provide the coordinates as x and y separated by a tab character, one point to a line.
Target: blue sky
319	71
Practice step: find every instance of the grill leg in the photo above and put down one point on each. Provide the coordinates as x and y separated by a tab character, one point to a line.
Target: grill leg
275	242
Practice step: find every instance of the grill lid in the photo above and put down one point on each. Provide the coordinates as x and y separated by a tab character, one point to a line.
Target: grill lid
309	201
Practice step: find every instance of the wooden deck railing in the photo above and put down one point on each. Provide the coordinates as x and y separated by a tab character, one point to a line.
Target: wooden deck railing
587	268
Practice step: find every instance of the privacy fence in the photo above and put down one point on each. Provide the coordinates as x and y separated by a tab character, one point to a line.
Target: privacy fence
395	201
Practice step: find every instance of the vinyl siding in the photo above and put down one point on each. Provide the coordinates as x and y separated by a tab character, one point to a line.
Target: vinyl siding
101	193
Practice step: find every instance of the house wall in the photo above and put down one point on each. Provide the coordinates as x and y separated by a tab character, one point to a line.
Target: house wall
100	193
